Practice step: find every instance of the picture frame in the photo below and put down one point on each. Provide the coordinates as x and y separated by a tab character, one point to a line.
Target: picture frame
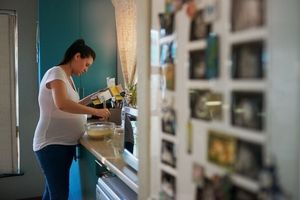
247	14
168	120
206	105
247	110
248	60
167	24
168	153
199	29
197	68
168	186
198	174
249	159
222	149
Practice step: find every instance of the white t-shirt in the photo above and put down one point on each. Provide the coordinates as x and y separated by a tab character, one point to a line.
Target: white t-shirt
56	126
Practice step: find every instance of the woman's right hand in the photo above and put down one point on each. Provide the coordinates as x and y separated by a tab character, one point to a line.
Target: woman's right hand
103	113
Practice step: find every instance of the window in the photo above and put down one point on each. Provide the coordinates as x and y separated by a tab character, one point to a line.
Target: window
9	119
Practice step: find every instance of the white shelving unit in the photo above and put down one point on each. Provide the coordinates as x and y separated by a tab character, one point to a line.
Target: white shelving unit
268	136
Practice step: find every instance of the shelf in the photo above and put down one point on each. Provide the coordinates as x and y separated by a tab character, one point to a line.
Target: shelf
196	45
167	39
168	169
247	85
245	182
205	84
237	179
247	36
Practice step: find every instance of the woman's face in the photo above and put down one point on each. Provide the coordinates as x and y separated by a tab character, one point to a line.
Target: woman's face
80	65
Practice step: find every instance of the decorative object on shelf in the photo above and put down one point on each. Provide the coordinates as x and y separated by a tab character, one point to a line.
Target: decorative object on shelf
216	188
249	159
221	149
168	153
248	60
190	137
191	8
247	14
248	110
239	193
131	95
206	105
168	52
212	56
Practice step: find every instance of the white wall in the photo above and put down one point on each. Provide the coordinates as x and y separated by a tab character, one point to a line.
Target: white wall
284	90
31	183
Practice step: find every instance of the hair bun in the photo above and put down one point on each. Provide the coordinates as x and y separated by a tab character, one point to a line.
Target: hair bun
79	42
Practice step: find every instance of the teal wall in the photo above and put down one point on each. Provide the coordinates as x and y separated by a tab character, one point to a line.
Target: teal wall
60	23
63	21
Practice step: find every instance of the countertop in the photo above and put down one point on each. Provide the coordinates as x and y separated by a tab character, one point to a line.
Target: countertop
103	150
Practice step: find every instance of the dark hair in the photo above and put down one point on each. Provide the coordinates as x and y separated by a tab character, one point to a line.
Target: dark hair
78	46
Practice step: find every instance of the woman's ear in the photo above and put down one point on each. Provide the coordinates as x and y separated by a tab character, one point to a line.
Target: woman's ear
77	56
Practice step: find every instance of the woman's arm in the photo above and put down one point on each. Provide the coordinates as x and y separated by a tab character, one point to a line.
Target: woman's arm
64	103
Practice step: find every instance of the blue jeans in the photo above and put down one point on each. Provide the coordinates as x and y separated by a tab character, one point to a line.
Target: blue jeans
55	161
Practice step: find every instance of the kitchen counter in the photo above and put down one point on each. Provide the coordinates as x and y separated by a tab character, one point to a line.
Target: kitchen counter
104	151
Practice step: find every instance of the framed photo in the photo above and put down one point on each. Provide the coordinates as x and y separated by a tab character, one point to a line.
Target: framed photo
222	149
169	72
206	192
248	60
247	110
198	175
168	186
206	105
167	24
249	159
239	193
168	153
199	29
168	120
197	64
247	14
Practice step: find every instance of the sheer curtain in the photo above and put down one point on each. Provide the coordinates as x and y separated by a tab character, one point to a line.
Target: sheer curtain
9	146
125	12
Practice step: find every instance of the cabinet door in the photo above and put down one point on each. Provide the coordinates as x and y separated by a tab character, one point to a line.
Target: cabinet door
58	28
99	30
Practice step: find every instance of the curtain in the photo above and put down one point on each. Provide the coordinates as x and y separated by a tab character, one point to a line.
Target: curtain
125	13
9	148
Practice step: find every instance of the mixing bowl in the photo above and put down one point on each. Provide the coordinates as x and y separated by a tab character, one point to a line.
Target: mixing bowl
100	130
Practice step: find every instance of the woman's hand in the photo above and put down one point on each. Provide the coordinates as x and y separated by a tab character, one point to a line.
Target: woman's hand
104	113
